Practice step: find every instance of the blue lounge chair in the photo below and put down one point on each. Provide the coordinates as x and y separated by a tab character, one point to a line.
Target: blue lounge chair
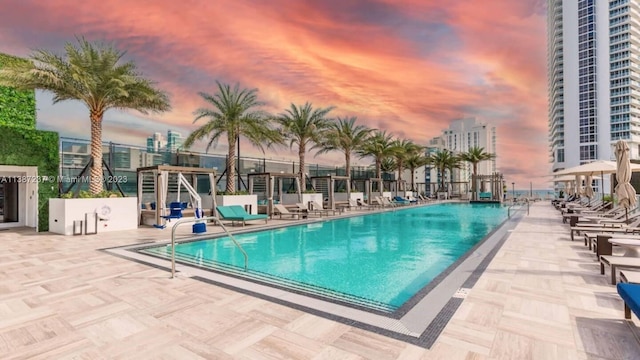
630	293
236	213
400	200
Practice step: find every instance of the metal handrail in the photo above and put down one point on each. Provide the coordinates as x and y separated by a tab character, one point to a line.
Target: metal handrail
519	208
217	219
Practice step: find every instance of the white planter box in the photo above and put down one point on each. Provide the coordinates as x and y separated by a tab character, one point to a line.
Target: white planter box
114	214
249	202
289	199
354	196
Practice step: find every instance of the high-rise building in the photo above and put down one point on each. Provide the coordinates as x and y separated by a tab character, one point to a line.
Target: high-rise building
155	143
593	73
462	135
174	141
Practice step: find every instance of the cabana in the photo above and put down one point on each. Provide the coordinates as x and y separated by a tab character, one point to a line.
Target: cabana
328	183
489	188
268	183
165	183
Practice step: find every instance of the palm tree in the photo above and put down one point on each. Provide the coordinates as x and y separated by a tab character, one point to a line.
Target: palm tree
444	160
404	150
475	155
93	74
345	136
303	125
380	147
413	162
234	112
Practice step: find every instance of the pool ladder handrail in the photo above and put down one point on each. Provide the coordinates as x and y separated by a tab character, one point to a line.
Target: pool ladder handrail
519	208
193	220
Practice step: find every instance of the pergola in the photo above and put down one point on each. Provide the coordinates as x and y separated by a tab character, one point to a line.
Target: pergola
492	184
271	179
160	175
331	182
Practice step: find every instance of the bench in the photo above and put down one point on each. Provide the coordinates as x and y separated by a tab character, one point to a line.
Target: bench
630	294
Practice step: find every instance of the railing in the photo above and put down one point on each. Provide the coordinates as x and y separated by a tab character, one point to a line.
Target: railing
520	207
193	220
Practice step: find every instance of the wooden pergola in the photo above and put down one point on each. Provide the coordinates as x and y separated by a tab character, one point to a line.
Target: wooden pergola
331	182
271	179
160	175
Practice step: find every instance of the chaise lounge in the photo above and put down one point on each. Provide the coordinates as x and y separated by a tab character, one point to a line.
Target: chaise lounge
630	294
236	213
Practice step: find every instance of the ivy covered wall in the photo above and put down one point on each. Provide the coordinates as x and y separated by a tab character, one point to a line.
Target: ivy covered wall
22	145
17	108
25	147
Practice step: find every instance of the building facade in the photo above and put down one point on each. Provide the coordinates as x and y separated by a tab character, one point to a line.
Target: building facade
459	137
593	75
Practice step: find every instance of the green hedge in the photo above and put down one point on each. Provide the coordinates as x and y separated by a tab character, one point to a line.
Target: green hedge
17	108
25	147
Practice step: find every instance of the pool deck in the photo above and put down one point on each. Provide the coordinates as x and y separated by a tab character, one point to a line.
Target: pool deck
541	297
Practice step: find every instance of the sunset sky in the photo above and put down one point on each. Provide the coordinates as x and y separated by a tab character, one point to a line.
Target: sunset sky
405	66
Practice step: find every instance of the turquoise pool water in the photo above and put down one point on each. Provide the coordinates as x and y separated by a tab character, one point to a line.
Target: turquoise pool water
378	260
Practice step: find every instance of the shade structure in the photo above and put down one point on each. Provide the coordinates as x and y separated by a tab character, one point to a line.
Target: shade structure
600	167
625	193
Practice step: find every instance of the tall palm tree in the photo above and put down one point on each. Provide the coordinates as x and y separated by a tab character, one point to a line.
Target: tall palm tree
235	112
444	160
413	162
380	147
404	150
93	74
474	156
345	136
388	165
303	126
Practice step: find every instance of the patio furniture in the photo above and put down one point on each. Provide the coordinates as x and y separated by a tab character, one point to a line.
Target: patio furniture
616	262
279	209
630	276
630	294
236	213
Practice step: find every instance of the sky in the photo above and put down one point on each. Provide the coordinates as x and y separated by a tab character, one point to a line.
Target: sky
409	67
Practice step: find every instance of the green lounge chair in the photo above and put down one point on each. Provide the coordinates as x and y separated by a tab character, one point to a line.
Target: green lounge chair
236	213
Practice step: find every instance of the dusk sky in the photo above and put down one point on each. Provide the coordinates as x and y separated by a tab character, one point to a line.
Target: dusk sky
406	66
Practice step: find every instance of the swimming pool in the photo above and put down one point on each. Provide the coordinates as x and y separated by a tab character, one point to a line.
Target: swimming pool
377	261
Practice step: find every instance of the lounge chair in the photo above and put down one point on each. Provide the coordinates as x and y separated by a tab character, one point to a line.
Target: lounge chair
315	207
279	209
357	204
236	213
616	262
400	200
606	227
630	294
630	276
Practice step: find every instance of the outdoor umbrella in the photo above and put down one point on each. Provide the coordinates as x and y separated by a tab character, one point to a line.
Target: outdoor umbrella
624	191
599	166
579	185
588	189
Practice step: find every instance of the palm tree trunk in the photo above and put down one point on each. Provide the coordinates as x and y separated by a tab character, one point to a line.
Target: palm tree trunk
95	185
347	164
475	180
379	174
301	151
400	175
412	179
231	164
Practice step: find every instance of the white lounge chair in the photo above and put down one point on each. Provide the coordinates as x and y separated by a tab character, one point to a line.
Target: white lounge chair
280	210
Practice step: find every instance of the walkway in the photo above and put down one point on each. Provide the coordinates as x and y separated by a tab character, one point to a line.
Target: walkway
542	297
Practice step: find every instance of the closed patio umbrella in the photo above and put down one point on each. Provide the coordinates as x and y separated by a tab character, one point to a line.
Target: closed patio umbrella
588	189
624	191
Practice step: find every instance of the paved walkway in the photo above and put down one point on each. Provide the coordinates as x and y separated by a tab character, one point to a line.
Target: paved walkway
542	297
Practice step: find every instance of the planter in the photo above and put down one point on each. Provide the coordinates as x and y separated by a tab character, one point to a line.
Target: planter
248	202
113	214
288	199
